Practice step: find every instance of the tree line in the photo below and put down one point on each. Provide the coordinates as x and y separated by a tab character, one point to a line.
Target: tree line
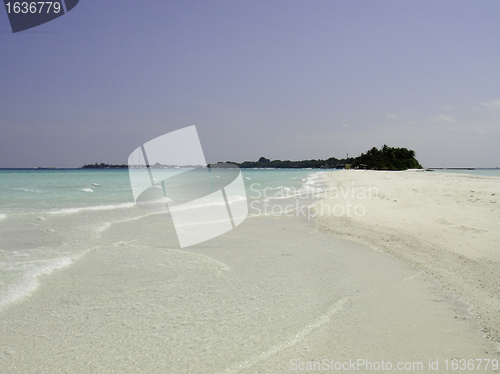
385	158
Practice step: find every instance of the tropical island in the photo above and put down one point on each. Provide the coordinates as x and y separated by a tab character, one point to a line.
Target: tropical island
385	158
265	163
262	163
102	165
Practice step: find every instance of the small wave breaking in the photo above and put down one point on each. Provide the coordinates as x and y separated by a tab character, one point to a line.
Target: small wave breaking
26	189
30	282
92	208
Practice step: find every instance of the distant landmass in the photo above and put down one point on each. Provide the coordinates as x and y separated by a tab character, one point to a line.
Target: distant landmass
387	158
104	166
331	163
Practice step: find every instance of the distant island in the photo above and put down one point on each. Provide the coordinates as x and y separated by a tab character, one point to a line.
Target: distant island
331	163
102	165
385	158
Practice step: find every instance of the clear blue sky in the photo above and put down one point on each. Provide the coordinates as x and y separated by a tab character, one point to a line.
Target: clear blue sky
280	79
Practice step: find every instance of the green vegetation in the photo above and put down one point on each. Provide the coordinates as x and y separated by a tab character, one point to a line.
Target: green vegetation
331	163
102	165
387	158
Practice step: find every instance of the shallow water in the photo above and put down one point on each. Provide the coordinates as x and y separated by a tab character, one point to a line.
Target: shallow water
50	218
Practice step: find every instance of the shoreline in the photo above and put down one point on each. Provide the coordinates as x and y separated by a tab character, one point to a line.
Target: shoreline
443	224
272	293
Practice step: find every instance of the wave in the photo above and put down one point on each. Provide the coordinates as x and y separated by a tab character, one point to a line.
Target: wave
92	208
314	178
26	189
3	216
106	225
29	282
314	189
86	190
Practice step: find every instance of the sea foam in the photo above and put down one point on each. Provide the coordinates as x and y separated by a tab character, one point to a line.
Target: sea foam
92	208
26	189
29	282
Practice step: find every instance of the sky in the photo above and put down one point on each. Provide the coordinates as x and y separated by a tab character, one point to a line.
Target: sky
285	80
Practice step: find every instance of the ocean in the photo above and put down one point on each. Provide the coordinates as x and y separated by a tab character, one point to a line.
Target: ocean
50	218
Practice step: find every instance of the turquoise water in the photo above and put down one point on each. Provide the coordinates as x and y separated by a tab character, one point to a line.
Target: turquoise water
50	191
31	191
50	218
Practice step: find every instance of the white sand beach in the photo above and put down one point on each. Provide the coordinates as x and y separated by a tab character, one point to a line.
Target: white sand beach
446	225
274	295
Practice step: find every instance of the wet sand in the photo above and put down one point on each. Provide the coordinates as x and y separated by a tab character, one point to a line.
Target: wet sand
272	295
443	224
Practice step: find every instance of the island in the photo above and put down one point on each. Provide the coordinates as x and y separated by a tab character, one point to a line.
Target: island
102	165
387	158
265	163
